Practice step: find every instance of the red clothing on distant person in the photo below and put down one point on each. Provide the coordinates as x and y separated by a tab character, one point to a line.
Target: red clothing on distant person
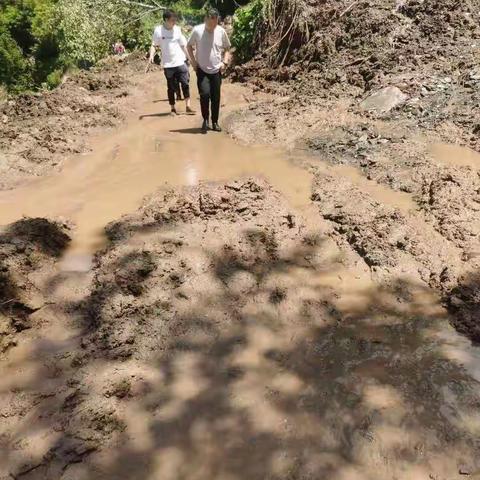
118	48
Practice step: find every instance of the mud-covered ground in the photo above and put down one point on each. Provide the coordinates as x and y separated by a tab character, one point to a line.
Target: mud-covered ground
426	54
225	333
39	131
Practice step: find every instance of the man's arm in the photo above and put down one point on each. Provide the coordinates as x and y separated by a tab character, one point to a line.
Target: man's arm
191	56
153	49
192	41
183	45
155	45
187	54
227	56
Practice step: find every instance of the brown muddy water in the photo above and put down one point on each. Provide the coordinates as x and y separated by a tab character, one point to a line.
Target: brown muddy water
154	150
385	389
455	155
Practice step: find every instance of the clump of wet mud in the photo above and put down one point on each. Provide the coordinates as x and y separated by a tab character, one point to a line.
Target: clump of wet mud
224	331
322	54
38	131
26	247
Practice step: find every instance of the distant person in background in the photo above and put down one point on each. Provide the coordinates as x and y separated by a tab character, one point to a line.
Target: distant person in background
169	38
208	48
118	48
228	25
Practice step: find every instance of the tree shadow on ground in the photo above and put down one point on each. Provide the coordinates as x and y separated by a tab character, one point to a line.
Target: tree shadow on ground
252	367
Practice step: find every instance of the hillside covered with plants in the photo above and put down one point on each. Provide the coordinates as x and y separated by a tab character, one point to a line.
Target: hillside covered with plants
41	39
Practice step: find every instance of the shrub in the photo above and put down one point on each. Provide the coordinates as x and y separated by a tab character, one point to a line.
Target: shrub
54	79
245	23
14	68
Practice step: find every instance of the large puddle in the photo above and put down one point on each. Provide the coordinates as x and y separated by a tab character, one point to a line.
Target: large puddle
153	150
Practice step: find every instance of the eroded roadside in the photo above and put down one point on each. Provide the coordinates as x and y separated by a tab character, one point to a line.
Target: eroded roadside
264	314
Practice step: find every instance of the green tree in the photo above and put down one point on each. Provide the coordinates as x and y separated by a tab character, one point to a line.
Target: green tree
246	22
14	68
89	28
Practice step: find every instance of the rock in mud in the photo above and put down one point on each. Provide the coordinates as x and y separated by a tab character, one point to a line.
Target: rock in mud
384	100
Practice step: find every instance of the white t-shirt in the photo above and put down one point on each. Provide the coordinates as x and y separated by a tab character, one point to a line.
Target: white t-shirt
209	47
170	43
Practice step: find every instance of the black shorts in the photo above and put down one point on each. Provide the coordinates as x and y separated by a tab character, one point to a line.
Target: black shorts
180	73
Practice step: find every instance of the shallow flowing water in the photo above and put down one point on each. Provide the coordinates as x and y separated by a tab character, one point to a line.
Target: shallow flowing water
154	150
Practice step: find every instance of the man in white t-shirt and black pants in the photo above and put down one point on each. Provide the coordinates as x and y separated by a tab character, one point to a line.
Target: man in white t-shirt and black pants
172	44
211	56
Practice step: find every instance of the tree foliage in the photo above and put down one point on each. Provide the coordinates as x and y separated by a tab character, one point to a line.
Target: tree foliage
246	23
28	42
89	27
40	39
14	68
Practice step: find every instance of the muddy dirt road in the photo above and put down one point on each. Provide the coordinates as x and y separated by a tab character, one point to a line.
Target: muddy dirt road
210	309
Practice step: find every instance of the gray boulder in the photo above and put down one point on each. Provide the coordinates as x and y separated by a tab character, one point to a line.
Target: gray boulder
384	100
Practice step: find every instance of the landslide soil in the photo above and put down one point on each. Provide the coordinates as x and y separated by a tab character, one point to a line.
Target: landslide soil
264	314
322	59
38	132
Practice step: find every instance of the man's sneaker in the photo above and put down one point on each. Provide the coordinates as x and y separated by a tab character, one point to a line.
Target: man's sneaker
190	111
173	111
216	127
205	126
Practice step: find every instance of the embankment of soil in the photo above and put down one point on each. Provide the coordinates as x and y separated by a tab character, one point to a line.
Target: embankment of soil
39	131
318	52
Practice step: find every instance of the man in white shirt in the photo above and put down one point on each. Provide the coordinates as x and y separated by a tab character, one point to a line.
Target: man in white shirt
172	44
208	48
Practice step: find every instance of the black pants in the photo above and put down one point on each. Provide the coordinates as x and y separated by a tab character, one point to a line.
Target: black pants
175	76
209	85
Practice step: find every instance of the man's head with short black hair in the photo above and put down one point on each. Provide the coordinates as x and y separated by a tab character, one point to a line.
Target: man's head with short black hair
170	18
212	13
212	16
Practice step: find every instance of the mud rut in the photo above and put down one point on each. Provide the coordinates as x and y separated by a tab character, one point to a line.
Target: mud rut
240	324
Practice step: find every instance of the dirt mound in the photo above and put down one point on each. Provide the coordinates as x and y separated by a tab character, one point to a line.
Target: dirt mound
219	318
359	43
314	52
132	282
26	247
38	131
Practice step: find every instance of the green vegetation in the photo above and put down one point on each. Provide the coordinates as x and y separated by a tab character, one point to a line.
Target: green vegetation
29	43
247	20
41	39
